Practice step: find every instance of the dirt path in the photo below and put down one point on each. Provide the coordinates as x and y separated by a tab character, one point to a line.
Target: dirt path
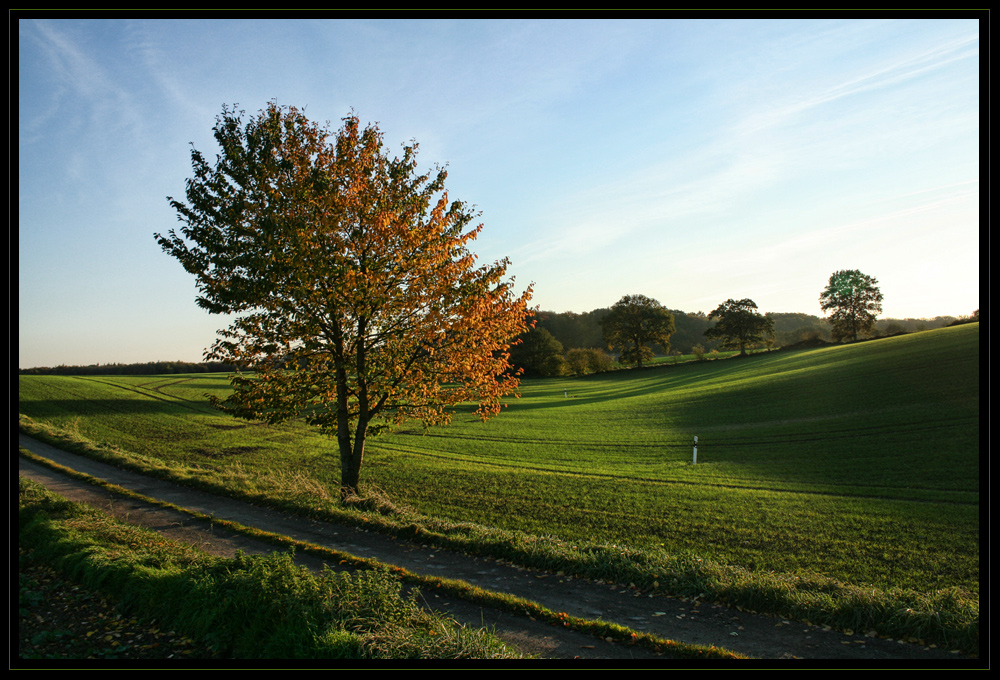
683	621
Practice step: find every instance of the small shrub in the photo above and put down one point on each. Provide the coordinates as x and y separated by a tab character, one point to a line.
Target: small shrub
580	361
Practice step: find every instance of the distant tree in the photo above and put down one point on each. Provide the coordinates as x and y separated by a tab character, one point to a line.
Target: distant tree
577	362
793	327
769	338
853	301
690	331
574	330
538	354
634	323
739	325
582	361
964	319
356	301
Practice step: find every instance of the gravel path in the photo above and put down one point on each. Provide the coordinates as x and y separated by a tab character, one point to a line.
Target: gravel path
681	620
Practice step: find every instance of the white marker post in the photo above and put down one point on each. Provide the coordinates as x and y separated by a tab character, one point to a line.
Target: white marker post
695	460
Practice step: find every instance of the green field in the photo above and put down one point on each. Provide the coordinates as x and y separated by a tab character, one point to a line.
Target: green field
856	462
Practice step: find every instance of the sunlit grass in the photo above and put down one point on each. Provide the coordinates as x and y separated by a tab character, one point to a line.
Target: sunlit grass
858	462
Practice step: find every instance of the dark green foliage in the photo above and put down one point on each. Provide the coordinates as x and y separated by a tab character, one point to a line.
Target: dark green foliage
794	327
584	330
634	323
538	354
581	361
853	301
147	368
691	329
575	330
739	325
892	326
972	318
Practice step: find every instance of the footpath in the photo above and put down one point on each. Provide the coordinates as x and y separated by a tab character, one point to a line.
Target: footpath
681	620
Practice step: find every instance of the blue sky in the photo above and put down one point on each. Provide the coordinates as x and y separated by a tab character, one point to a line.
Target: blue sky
689	160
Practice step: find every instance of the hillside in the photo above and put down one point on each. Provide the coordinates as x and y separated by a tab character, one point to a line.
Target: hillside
828	480
864	433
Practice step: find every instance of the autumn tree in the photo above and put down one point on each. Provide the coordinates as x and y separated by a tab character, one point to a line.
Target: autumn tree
634	323
854	301
357	303
739	325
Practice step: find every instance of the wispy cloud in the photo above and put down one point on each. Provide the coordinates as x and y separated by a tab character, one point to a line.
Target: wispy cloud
688	160
90	107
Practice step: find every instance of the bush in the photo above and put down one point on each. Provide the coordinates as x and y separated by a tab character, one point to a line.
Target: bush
538	354
583	361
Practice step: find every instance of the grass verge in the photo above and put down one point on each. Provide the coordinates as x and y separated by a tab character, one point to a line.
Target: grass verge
247	607
608	631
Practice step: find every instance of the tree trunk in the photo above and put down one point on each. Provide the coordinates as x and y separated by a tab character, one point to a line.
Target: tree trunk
351	457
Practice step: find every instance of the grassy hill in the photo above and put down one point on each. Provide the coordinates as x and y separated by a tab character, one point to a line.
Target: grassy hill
856	462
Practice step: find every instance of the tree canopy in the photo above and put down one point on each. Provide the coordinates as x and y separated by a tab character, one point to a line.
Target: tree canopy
854	302
634	323
357	302
739	324
537	353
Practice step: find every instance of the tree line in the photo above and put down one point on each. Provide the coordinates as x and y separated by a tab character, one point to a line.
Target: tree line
146	368
637	328
583	330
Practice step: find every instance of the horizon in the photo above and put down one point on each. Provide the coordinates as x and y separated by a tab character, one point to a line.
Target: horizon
689	160
541	311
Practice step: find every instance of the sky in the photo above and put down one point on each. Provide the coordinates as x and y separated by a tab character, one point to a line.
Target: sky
689	160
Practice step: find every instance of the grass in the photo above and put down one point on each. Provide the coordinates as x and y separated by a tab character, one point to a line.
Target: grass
805	462
60	619
247	607
43	547
851	465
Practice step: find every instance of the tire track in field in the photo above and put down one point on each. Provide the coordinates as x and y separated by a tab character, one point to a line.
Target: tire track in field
596	445
851	433
148	393
669	482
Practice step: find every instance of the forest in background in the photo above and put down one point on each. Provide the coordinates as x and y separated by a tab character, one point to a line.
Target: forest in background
583	331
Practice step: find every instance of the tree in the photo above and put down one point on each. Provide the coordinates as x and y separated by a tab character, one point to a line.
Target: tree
634	323
357	302
538	354
855	301
739	325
